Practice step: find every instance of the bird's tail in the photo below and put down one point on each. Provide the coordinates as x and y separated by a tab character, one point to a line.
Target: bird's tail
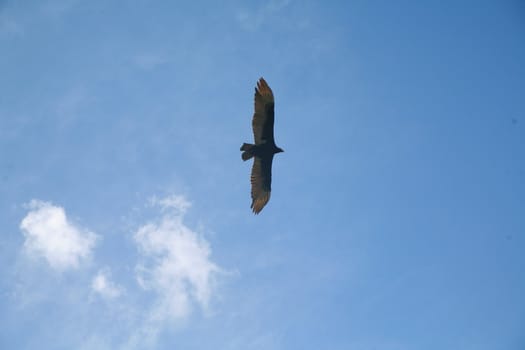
247	148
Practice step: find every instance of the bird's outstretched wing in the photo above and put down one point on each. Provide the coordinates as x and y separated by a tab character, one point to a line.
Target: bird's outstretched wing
261	180
263	116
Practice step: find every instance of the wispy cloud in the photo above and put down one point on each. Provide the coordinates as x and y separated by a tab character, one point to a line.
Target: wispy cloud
175	263
9	26
50	235
178	204
175	267
254	19
57	8
102	285
150	60
69	105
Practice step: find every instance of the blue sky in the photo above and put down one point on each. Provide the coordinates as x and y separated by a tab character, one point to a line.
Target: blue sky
397	212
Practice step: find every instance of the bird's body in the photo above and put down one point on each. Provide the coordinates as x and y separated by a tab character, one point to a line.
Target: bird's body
264	148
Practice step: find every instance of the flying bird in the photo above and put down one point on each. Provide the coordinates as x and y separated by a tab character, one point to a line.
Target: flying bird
264	148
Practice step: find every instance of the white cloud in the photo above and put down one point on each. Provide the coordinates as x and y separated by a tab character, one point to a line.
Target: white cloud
176	262
103	285
50	235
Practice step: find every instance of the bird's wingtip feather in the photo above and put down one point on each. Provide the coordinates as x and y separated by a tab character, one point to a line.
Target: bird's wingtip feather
263	88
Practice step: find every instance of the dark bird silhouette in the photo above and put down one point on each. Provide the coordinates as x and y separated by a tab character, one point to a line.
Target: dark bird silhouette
264	148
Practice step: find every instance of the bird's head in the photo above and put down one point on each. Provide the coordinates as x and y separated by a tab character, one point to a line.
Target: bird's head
279	150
